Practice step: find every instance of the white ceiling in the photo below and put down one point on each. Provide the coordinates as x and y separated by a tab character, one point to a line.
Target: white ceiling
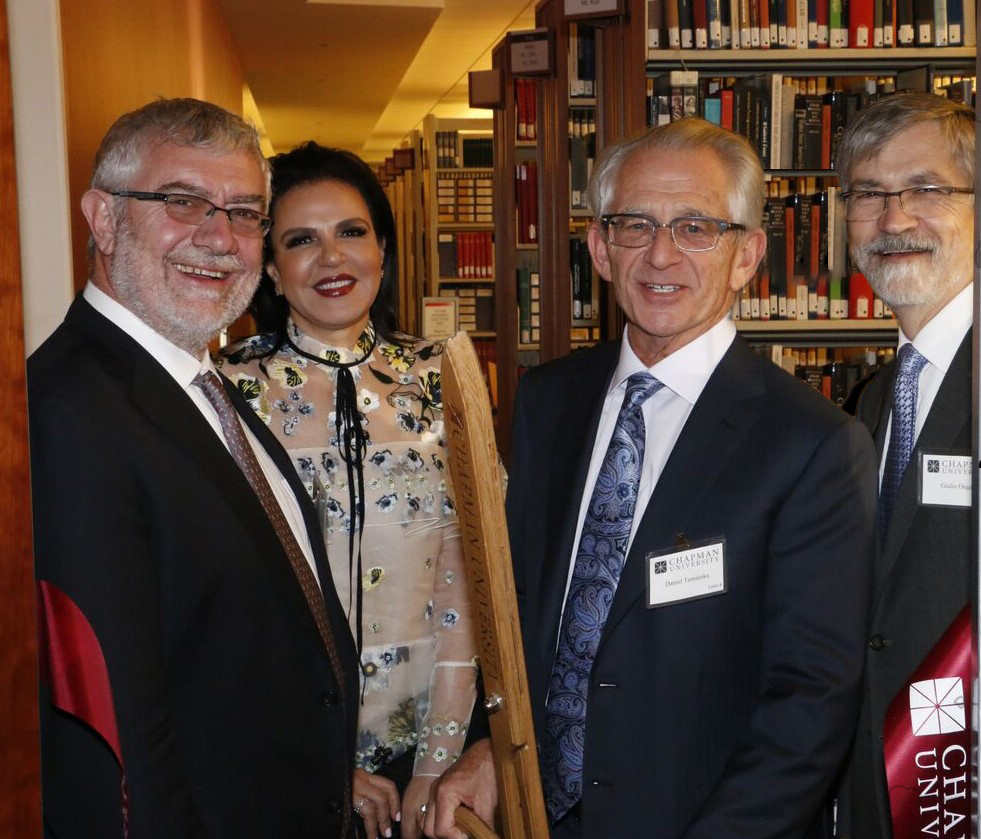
361	75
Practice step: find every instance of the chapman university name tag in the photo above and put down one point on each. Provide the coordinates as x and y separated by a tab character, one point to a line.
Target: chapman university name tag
945	479
692	573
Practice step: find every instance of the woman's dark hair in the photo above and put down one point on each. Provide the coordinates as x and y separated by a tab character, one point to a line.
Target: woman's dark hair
312	163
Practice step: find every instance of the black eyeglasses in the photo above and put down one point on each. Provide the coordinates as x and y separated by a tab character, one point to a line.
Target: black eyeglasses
915	201
689	233
193	209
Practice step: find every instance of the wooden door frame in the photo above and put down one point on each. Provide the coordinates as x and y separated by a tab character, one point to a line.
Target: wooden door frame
20	792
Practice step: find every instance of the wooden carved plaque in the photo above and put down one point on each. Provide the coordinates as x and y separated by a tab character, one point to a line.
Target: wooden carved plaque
476	474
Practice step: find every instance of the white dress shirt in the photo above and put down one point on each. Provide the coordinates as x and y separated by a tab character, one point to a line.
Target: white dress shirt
183	367
938	343
684	375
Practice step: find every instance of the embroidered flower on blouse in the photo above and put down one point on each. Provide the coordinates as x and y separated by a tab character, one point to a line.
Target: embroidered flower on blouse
290	426
384	460
449	577
431	384
413	460
282	405
307	409
440	754
367	401
372	579
374	627
450	617
286	373
387	502
399	358
408	422
453	727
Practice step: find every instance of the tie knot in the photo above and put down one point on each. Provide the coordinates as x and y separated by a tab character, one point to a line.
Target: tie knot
208	382
910	360
640	387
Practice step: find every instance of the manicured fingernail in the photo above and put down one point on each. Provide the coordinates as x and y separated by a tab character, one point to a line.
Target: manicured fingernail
398	816
388	832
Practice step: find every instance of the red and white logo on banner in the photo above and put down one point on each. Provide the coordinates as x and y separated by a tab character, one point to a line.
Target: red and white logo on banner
927	742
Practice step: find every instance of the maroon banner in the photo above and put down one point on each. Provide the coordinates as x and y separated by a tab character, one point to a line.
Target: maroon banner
74	668
927	742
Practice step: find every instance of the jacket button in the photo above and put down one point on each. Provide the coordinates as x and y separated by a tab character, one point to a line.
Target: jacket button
333	806
328	699
876	643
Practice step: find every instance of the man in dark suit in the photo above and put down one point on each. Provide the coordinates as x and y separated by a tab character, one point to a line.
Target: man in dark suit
907	167
710	687
197	681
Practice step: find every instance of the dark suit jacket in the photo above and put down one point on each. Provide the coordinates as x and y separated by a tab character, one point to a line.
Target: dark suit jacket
921	583
229	713
726	716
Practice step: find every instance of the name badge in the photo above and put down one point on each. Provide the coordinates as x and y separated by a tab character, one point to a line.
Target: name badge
945	479
692	573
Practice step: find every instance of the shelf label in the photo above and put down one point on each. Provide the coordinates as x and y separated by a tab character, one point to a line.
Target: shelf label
530	52
593	8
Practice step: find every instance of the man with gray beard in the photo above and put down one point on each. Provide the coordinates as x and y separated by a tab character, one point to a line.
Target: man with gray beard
906	166
199	678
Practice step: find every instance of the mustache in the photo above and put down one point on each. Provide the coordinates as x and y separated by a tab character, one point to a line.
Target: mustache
203	258
897	243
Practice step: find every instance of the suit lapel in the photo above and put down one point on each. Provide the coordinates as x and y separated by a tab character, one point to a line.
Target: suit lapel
568	462
714	431
946	427
168	407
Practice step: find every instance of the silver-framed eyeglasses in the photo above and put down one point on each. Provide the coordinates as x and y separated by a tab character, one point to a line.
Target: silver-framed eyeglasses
916	201
193	209
689	233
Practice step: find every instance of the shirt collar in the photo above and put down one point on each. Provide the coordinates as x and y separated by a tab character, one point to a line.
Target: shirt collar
687	370
178	362
939	340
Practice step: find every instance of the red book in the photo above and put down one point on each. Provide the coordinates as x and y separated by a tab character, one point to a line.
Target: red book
861	21
859	297
521	181
520	117
726	96
531	108
699	10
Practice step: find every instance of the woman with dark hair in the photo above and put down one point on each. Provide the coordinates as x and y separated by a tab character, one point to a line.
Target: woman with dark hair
357	405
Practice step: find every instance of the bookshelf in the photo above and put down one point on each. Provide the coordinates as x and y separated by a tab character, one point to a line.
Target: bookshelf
401	178
613	108
458	167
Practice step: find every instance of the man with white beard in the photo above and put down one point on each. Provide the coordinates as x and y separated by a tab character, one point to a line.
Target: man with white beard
199	678
906	166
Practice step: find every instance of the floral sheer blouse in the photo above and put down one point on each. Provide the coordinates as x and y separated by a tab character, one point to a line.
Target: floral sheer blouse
418	670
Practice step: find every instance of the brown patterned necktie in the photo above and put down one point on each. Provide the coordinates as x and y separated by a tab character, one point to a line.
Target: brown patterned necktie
245	457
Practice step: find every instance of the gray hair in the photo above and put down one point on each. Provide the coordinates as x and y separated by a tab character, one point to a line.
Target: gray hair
877	124
746	194
183	122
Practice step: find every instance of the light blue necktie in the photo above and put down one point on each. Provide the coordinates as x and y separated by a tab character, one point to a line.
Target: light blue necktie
903	433
602	550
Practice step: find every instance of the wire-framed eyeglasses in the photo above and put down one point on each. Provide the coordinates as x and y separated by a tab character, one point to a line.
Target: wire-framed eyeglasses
915	201
193	209
689	233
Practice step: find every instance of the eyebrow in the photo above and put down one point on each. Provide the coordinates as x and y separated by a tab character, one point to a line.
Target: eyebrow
928	178
194	189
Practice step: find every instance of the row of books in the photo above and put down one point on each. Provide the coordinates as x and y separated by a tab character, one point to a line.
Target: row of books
803	298
582	153
486	349
529	306
526	203
454	151
794	122
832	371
582	60
526	109
581	272
465	197
475	306
468	255
809	24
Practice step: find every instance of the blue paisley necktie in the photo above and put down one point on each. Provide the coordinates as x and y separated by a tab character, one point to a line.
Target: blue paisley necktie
903	432
602	549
